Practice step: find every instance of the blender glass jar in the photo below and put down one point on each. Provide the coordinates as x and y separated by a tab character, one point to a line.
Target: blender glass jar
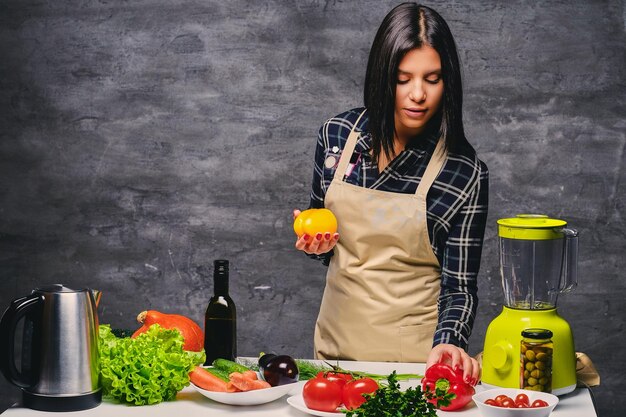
537	260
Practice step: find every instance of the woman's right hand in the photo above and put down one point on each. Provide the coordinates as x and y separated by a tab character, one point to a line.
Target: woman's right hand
456	358
318	244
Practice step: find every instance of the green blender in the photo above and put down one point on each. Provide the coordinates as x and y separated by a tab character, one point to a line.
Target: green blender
538	261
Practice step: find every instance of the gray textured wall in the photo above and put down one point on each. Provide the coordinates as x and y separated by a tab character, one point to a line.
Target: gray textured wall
140	140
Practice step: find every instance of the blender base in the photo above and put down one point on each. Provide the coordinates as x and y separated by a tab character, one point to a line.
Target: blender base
501	364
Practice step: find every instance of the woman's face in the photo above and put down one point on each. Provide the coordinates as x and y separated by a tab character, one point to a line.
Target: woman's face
418	92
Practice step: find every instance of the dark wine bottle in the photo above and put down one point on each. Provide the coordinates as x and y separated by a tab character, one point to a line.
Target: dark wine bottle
220	319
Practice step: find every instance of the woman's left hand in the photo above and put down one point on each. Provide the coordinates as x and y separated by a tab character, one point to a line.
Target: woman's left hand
457	358
318	244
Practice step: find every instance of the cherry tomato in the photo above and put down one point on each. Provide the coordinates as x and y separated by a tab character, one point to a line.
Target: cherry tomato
353	391
539	403
500	398
522	399
491	401
337	377
508	403
321	394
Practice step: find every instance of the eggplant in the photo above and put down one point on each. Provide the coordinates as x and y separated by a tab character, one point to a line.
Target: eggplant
278	369
263	360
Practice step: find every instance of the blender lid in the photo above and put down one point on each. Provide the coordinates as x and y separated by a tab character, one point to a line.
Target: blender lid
531	227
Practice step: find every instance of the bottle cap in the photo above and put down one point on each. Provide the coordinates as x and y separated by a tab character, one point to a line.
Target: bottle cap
220	265
537	333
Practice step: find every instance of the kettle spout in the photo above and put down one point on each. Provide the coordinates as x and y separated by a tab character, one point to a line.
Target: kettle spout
97	294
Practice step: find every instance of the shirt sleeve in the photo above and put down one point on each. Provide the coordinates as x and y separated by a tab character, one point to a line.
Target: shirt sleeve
318	187
461	261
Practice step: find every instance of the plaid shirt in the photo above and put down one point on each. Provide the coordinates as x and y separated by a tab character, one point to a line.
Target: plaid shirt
456	210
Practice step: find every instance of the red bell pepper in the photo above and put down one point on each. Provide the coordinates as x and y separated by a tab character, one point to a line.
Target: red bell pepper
450	384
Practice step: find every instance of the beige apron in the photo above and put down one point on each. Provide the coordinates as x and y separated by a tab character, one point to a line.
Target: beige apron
383	281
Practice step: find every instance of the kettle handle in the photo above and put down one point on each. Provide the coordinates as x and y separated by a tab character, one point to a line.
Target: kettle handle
17	310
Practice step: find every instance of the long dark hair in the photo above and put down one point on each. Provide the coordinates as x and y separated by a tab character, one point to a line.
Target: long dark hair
406	27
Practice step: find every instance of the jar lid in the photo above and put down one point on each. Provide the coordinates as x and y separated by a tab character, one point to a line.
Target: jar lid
537	333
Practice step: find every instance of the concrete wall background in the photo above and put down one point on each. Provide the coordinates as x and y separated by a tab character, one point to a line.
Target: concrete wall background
140	140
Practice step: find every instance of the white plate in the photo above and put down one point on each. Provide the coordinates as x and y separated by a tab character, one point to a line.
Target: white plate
255	397
297	402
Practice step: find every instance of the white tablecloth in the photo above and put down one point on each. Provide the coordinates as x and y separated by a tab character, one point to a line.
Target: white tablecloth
190	403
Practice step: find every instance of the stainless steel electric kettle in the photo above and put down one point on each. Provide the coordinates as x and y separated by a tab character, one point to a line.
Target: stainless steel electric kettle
58	366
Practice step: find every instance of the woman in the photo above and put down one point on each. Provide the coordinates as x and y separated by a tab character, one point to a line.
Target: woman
410	196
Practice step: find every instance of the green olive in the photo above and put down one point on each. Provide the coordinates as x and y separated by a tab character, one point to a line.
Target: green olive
527	373
540	365
523	349
537	373
541	356
544	381
530	366
532	381
530	355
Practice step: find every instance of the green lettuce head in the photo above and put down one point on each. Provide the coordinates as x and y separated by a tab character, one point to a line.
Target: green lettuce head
148	369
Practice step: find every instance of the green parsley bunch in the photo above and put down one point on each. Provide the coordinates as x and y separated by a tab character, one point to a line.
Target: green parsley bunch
390	401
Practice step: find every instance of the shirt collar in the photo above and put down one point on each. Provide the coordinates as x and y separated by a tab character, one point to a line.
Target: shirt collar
425	142
363	142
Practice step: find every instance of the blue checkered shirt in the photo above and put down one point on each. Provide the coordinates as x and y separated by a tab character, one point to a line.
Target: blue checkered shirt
456	205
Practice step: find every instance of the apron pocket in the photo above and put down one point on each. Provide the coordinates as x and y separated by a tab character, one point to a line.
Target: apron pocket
416	342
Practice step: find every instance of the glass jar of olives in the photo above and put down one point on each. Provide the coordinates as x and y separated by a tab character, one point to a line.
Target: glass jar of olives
536	360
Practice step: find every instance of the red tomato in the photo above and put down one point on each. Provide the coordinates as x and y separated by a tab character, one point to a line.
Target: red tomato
338	377
353	391
508	403
539	403
522	399
321	394
491	401
500	398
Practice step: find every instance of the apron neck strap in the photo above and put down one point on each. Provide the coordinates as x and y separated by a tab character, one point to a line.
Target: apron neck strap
348	150
437	159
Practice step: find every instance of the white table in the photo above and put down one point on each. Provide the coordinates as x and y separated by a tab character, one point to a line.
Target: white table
190	403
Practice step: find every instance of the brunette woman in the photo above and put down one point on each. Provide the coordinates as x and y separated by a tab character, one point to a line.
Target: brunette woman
410	196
